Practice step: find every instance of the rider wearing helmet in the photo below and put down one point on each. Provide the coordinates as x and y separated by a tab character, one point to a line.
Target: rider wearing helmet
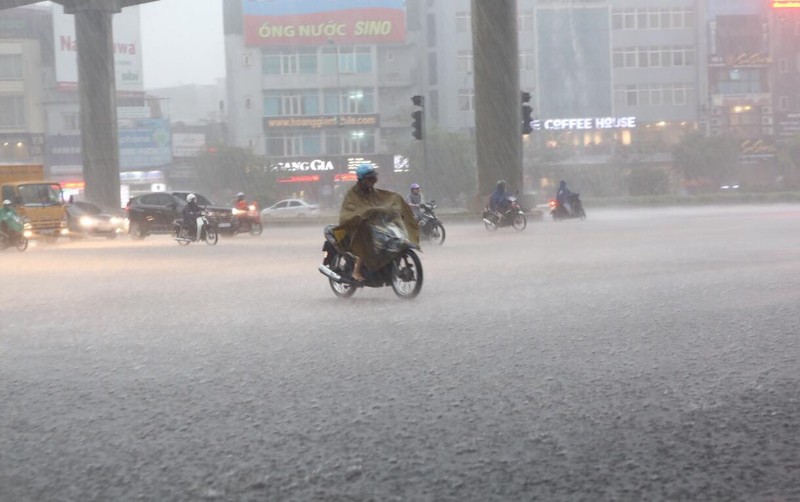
414	199
498	201
241	202
359	205
7	216
192	216
564	196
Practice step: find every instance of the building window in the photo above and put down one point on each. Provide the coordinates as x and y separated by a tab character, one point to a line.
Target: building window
525	20
10	67
283	103
463	22
466	100
631	95
72	121
12	112
527	61
289	62
465	62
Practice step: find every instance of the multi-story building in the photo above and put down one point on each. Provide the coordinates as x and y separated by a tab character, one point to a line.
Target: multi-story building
615	84
40	105
318	92
22	86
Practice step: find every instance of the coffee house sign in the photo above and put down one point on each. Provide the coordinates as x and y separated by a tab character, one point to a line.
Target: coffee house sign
583	124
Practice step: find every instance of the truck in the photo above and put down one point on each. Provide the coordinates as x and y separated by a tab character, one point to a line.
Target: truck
40	203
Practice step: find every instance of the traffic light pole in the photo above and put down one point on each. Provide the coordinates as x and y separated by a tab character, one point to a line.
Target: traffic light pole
418	128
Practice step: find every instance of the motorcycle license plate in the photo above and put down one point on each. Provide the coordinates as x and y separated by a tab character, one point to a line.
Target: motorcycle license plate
224	225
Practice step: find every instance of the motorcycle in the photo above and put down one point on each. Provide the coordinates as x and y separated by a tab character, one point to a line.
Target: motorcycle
208	232
12	234
512	216
430	228
559	212
247	220
402	271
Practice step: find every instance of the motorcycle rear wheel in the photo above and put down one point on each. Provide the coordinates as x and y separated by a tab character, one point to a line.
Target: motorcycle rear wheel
22	244
211	236
407	275
256	228
519	222
437	233
340	289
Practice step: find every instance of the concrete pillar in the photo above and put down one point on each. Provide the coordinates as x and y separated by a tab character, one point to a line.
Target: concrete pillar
498	115
97	88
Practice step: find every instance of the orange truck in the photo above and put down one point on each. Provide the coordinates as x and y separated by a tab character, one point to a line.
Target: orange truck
40	203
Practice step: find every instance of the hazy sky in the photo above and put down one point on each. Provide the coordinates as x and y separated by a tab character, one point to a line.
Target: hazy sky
182	42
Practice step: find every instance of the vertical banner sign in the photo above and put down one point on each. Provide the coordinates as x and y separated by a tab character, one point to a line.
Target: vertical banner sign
293	22
127	50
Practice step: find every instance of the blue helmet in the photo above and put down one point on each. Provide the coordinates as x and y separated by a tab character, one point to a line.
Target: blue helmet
365	170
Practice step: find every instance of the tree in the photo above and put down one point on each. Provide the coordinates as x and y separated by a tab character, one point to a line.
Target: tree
709	159
227	170
451	173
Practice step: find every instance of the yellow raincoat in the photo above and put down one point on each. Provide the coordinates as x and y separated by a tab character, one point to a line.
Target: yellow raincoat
360	207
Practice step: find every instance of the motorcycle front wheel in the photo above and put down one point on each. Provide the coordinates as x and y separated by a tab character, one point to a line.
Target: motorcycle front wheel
211	236
22	244
256	228
437	233
340	289
519	222
407	275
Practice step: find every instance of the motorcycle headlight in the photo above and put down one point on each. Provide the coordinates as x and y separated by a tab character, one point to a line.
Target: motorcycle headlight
86	221
235	211
27	226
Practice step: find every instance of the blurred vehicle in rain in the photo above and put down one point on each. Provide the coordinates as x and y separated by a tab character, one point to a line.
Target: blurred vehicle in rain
86	219
156	212
290	208
38	202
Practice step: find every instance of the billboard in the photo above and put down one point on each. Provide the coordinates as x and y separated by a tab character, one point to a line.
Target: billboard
127	48
145	143
293	22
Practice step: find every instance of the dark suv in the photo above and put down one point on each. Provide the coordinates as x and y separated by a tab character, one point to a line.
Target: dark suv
154	213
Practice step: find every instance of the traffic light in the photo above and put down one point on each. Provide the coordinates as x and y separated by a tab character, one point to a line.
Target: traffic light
417	124
526	113
418	117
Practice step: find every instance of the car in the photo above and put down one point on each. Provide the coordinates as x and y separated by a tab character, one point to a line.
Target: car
156	212
290	208
86	219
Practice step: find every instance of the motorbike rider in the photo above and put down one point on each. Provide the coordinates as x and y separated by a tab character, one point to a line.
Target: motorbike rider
242	209
415	199
498	201
361	202
192	216
564	196
241	202
8	218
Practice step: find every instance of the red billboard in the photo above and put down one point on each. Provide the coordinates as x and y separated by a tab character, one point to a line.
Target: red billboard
350	22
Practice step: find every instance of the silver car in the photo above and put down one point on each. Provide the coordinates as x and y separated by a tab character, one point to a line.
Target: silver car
290	208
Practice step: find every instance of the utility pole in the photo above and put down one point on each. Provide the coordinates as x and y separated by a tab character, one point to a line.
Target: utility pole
498	139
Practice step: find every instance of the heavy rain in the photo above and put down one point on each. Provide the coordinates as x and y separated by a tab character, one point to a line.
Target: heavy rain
628	334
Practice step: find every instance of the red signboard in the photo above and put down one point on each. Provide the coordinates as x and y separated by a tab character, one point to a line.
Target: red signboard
350	22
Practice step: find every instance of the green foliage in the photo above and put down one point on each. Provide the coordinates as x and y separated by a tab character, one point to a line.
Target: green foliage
712	158
648	181
451	174
230	170
789	163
